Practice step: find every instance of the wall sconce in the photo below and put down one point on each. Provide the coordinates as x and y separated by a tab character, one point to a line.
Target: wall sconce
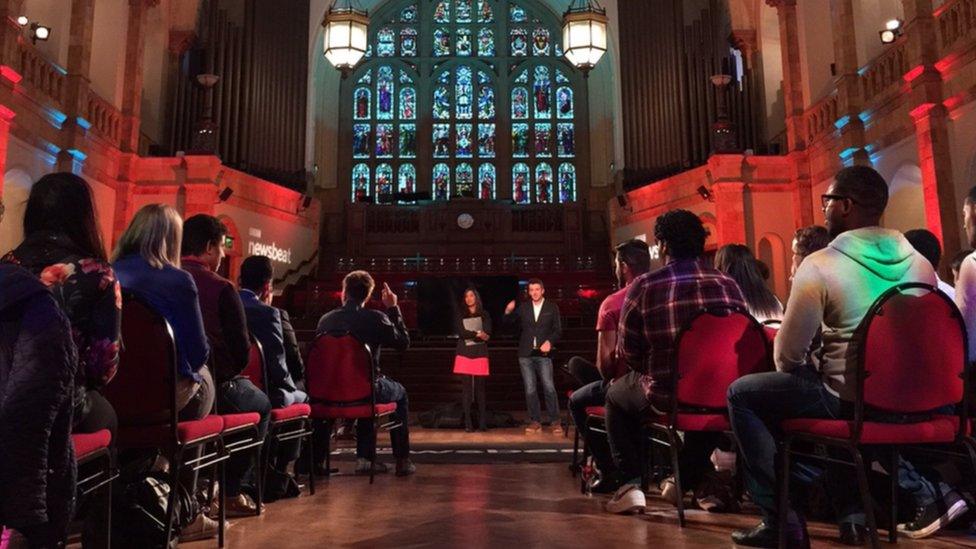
891	31
225	194
39	32
705	193
22	21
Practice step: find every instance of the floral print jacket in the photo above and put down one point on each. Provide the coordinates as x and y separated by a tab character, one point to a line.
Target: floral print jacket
89	295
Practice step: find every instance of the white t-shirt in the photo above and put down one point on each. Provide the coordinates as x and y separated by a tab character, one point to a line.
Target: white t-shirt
536	309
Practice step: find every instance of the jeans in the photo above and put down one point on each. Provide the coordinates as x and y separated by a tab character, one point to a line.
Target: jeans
584	371
591	394
541	366
627	406
387	390
238	396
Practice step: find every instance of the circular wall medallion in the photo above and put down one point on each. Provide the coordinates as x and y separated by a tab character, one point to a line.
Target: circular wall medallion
465	221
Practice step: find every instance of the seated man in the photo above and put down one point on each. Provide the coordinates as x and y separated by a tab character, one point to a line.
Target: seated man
657	305
632	261
927	244
374	328
226	329
833	288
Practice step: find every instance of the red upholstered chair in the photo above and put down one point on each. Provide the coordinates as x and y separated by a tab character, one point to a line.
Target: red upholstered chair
288	423
96	473
716	347
143	393
340	379
911	359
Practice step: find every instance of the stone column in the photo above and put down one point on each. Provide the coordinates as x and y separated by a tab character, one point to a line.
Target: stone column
789	36
132	86
850	100
77	80
931	123
6	117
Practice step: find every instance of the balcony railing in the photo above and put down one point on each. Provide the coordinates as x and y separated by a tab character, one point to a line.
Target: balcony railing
820	117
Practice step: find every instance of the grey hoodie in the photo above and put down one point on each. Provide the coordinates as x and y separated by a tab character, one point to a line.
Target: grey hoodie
834	288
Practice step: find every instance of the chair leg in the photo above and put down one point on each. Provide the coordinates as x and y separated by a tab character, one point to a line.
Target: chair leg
372	462
893	473
576	440
260	461
644	477
584	458
311	459
862	483
222	515
328	449
673	443
176	467
108	513
784	492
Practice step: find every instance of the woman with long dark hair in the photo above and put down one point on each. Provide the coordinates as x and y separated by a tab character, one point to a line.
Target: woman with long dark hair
473	326
738	262
63	248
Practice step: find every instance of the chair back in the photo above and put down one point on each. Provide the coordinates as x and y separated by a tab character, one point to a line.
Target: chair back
254	370
339	371
718	346
143	391
912	351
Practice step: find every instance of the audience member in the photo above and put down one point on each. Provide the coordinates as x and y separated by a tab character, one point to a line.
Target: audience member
147	264
656	306
38	363
540	328
226	329
375	329
833	288
632	260
471	359
807	240
966	283
293	353
62	246
957	264
928	245
738	262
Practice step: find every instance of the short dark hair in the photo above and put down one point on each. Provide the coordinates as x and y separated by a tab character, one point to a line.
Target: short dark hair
62	203
865	186
926	244
971	195
201	231
358	285
256	271
634	253
811	239
959	258
535	281
683	232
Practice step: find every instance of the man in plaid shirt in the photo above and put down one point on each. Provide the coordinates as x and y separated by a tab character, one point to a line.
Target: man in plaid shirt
657	305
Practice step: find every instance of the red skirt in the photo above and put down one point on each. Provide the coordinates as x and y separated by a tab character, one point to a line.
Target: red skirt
471	366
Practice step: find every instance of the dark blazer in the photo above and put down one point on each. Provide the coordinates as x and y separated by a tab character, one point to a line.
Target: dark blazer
37	369
480	348
264	323
547	328
293	354
374	328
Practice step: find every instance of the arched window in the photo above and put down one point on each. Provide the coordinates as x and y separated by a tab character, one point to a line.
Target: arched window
463	98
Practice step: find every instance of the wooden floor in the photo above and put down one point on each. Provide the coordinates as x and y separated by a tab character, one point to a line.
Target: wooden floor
509	506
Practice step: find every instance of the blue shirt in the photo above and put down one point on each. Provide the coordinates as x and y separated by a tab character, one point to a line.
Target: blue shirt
171	293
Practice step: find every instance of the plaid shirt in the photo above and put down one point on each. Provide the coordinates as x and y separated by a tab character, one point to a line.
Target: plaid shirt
657	305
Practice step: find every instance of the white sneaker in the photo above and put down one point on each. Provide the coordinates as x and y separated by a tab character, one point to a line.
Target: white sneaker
203	527
669	491
628	499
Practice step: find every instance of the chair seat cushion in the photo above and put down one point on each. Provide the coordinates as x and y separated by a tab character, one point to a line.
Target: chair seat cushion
233	422
596	411
151	436
939	429
88	443
295	411
351	412
697	422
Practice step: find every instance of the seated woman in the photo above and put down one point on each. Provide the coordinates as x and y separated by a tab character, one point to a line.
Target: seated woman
147	264
738	262
62	246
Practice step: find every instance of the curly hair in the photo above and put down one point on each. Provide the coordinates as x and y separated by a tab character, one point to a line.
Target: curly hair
682	232
810	239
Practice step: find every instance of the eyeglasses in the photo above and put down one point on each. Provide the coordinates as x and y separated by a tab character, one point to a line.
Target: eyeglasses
826	198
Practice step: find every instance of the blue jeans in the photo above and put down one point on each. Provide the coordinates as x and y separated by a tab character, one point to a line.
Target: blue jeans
387	390
541	366
238	396
592	394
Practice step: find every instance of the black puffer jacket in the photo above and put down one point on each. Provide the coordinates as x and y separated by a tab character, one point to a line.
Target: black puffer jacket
37	366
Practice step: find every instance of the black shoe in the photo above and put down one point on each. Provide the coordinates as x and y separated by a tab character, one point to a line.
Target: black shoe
468	429
608	483
852	534
764	535
405	467
930	518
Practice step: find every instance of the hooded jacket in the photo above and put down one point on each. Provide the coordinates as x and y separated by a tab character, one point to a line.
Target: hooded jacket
37	367
835	287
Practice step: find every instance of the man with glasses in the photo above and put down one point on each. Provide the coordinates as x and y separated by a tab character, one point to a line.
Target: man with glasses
833	288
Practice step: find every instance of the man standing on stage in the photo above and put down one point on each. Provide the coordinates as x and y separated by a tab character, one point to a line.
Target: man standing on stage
540	328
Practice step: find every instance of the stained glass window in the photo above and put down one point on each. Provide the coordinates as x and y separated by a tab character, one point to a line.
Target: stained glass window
481	58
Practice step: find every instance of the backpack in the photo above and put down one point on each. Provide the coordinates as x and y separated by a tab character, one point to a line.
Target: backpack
139	512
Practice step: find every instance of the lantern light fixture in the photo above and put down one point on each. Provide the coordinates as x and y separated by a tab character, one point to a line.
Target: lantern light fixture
346	35
891	32
584	34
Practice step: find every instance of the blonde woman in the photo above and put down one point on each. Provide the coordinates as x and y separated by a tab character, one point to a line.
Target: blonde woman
147	264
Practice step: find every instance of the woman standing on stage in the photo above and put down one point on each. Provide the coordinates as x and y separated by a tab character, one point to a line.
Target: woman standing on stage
473	326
